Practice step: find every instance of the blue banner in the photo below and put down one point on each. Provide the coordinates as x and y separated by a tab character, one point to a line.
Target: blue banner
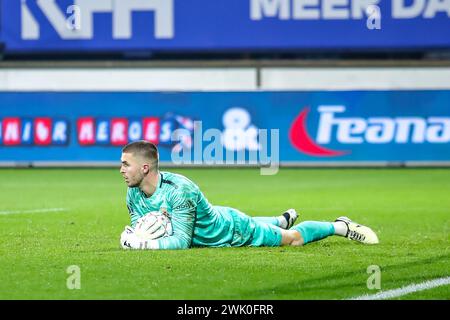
200	127
230	25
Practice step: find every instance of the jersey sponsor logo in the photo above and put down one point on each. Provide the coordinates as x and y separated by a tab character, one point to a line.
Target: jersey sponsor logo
39	131
186	205
357	130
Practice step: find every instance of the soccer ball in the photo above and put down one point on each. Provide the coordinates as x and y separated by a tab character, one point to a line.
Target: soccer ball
153	225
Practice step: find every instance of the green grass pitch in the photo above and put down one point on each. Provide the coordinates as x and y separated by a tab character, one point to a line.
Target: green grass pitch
408	208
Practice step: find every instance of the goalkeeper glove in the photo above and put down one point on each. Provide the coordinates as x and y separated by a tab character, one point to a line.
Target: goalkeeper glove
129	240
127	237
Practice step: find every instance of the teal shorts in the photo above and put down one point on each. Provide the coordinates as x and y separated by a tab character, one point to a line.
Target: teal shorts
249	232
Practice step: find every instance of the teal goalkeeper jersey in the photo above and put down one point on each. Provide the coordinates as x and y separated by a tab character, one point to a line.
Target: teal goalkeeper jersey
195	221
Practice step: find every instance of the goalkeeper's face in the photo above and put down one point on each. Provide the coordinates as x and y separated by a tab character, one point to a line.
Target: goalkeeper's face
133	169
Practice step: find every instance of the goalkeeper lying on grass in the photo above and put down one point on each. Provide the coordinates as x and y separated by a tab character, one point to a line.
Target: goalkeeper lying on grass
197	223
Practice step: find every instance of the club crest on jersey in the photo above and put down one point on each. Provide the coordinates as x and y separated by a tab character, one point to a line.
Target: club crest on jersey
164	211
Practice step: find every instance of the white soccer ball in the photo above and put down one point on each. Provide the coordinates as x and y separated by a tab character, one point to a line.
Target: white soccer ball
153	225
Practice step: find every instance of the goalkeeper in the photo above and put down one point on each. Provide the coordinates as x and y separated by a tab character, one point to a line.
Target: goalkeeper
197	223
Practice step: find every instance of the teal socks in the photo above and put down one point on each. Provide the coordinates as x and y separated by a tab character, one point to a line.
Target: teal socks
314	230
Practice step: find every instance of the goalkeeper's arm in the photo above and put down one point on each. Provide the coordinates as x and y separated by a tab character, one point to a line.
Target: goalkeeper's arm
133	216
183	227
183	219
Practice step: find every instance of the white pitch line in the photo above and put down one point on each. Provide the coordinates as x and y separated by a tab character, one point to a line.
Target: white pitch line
33	211
390	294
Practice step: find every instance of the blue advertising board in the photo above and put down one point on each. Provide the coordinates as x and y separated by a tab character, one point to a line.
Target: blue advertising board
180	25
204	127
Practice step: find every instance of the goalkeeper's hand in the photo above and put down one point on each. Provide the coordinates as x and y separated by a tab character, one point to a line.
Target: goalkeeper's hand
151	227
129	240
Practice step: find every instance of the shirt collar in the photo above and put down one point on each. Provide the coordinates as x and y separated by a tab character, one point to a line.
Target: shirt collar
158	186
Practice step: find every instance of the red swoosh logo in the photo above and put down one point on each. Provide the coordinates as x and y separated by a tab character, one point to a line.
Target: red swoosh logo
302	141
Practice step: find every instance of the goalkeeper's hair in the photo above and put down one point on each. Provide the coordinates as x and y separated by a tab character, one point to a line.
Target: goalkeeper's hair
145	150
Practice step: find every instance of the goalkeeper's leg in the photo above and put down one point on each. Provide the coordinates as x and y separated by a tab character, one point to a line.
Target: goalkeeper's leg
285	221
311	231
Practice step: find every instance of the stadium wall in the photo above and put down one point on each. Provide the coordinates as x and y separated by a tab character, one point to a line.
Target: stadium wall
241	116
